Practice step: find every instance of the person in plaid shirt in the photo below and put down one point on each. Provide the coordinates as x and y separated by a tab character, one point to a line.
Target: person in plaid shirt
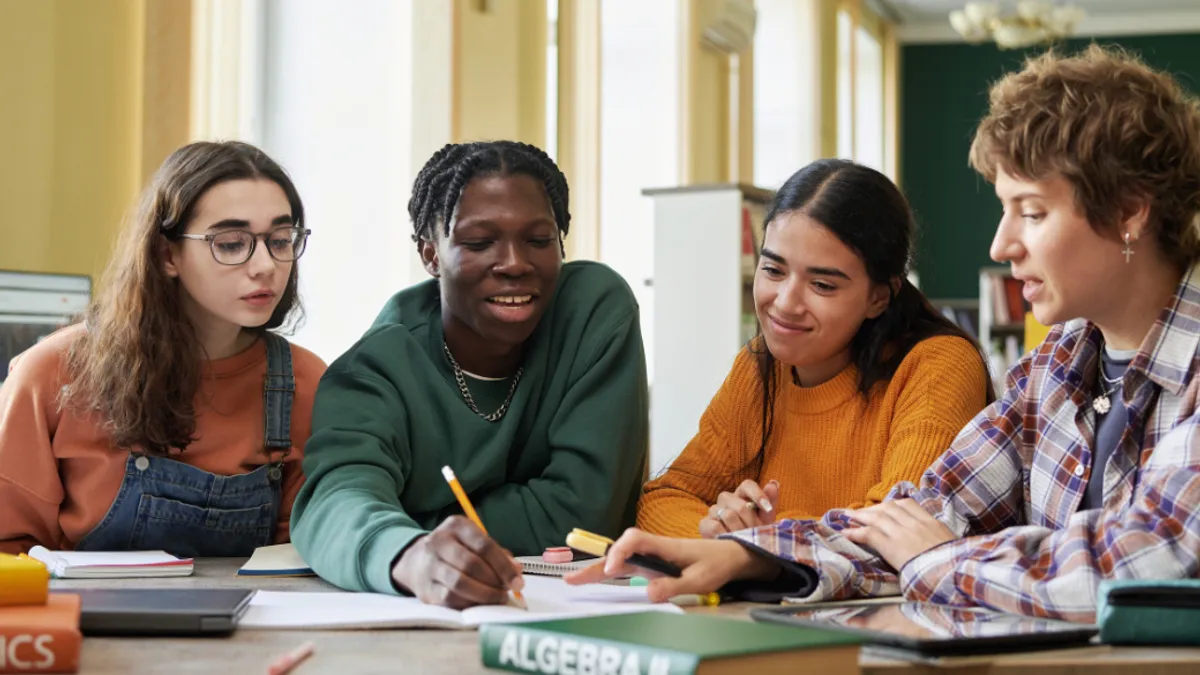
1088	467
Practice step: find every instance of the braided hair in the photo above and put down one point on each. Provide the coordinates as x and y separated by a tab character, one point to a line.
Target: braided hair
441	181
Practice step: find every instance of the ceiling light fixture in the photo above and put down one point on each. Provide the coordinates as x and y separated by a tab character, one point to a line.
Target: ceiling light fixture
1035	22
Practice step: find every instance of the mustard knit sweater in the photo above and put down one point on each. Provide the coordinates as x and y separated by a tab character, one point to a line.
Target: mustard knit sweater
830	447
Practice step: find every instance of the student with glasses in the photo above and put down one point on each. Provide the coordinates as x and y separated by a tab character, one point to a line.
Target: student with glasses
172	417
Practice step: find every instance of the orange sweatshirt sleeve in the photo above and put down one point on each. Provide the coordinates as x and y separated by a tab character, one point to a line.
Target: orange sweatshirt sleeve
944	385
30	488
716	460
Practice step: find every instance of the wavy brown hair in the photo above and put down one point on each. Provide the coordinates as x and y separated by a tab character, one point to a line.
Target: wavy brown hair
138	361
1116	129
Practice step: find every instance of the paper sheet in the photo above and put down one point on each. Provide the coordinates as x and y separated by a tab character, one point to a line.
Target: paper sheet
548	598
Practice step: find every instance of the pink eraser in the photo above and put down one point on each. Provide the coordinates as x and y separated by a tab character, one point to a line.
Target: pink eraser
558	554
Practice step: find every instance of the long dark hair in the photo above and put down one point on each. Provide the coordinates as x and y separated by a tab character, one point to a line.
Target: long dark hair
867	213
139	362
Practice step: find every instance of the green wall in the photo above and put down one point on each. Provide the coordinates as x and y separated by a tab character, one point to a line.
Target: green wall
943	94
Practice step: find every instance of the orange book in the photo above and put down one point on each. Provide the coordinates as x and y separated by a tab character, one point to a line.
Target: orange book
41	638
1016	301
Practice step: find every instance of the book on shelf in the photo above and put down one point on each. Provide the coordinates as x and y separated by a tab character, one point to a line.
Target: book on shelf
1007	300
964	317
1035	332
752	234
666	644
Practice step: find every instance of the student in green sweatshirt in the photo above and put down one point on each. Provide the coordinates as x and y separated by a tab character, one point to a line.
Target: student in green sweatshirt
525	375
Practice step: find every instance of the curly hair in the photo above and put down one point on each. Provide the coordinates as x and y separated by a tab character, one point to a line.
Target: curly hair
1119	131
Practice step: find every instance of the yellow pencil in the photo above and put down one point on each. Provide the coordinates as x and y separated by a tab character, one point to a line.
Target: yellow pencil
465	503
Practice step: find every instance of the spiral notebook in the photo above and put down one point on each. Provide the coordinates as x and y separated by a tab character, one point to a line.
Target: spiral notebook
533	564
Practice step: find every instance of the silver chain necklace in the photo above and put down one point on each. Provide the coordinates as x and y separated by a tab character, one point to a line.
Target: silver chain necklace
466	393
1102	403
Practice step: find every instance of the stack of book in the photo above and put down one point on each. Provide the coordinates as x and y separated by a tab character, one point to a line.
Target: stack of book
39	632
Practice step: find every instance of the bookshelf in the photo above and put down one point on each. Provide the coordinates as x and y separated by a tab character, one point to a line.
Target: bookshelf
962	311
1002	311
706	240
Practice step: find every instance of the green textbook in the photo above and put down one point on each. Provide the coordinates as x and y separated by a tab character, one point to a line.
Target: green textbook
654	643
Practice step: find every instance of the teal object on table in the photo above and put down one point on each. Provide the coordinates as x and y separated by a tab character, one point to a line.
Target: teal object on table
638	581
1149	612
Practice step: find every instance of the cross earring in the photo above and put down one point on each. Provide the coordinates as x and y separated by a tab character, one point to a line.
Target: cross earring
1128	247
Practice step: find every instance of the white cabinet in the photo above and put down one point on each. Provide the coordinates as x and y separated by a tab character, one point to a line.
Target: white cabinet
703	310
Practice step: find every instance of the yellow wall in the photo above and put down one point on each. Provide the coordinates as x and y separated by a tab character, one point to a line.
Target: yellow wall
77	142
96	116
500	71
26	132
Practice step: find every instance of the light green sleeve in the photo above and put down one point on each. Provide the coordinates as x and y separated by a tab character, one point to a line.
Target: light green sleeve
347	521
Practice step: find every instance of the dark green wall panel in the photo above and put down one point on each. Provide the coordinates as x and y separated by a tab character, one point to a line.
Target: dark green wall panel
943	94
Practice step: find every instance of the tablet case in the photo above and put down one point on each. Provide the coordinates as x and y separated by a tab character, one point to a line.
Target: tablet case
161	611
1149	612
1065	635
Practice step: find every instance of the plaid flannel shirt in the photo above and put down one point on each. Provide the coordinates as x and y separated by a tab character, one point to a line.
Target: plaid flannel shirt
1011	484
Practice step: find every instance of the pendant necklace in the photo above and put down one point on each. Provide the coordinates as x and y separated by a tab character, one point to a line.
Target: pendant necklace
1103	403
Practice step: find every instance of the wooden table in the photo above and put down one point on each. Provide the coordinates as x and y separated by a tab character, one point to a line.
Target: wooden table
437	652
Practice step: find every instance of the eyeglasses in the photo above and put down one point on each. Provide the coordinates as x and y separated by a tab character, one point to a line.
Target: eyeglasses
234	247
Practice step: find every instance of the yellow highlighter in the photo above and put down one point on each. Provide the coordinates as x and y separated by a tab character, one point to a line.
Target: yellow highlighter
23	581
697	599
461	496
595	544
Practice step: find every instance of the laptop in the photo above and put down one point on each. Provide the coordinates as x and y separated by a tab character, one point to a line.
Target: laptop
161	611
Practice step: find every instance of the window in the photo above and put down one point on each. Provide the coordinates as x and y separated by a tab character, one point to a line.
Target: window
862	106
868	99
785	75
845	85
638	136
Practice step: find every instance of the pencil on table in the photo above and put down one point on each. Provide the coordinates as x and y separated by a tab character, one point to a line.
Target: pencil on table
288	662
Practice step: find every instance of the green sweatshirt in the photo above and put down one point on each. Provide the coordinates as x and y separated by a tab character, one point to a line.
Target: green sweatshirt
570	452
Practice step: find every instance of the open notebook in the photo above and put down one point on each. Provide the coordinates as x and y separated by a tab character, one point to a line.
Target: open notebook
547	598
111	564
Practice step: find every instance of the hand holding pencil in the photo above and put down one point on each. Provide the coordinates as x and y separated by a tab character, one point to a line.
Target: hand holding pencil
458	565
749	505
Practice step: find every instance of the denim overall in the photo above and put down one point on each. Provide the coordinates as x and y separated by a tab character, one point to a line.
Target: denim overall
167	505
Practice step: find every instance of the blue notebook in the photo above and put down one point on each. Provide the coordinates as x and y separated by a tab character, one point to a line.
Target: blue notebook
280	560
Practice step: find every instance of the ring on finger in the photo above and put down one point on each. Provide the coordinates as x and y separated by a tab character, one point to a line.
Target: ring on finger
720	512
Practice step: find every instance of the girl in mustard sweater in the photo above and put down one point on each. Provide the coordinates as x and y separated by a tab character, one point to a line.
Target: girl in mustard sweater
855	383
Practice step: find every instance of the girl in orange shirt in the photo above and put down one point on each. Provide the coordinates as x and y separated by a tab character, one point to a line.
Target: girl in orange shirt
855	384
172	417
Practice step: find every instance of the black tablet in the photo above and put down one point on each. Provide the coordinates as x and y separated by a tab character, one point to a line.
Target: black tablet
935	630
161	611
